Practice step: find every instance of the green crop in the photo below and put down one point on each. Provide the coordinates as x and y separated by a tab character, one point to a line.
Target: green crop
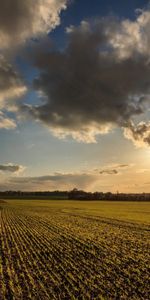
74	250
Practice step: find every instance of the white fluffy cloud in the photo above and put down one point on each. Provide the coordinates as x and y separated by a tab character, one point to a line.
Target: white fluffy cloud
131	37
86	134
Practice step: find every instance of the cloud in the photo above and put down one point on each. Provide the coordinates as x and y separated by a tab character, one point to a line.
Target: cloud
139	134
86	134
12	89
109	172
132	37
93	180
11	86
99	81
123	166
6	123
12	168
114	169
61	181
21	20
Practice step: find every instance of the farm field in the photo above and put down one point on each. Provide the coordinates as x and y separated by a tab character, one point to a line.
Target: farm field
74	250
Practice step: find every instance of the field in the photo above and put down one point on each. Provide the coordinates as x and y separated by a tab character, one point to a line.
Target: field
74	250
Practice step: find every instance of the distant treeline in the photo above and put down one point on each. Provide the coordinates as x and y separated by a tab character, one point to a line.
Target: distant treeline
75	194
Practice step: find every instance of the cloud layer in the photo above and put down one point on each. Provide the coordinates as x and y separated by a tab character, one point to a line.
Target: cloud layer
100	80
61	181
119	175
86	180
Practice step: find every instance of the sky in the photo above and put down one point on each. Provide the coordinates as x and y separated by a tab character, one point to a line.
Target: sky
75	95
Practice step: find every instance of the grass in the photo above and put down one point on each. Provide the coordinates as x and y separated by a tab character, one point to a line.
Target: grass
74	250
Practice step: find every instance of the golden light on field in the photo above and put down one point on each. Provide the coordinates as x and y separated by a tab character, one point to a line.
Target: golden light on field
68	249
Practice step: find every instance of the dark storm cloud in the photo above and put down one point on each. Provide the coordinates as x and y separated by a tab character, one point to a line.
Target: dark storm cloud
10	168
93	83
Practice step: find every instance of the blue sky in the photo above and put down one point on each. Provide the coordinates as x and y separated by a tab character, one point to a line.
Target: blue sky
66	111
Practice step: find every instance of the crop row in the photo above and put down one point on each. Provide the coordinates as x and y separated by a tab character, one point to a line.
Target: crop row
52	254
